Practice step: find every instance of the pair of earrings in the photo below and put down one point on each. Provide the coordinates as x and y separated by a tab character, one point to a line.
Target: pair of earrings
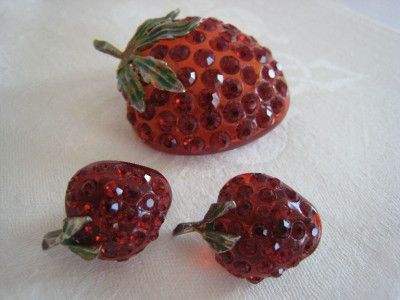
258	227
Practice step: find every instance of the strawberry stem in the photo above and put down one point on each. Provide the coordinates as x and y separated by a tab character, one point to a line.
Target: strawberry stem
65	236
107	48
219	241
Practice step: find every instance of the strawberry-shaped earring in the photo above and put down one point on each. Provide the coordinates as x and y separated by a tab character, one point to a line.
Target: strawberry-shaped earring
114	210
197	86
259	227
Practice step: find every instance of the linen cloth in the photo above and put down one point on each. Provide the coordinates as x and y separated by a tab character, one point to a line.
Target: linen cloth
338	147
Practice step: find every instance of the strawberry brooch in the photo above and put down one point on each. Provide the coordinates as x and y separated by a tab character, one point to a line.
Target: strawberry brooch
259	227
197	86
114	210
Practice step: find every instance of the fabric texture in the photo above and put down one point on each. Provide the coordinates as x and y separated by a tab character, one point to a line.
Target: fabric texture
338	147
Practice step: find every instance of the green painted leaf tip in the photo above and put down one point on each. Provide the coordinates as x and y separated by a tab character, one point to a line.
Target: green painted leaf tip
158	73
129	84
220	242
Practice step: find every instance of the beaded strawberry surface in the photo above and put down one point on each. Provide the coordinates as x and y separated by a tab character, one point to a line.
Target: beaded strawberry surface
197	86
114	210
259	227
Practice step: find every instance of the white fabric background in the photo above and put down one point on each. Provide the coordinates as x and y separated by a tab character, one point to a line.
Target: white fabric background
338	146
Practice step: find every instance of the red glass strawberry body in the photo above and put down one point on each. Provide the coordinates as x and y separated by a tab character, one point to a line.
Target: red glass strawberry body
232	91
120	207
267	227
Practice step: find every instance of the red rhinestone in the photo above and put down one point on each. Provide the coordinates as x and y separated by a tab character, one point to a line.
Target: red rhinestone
266	195
218	44
131	116
195	37
209	24
249	75
230	65
242	267
231	88
273	183
210	120
249	102
149	111
264	117
277	105
226	257
86	208
193	144
262	55
145	132
282	229
244	53
244	209
211	78
228	35
245	129
183	102
89	188
248	247
268	73
204	57
244	39
187	124
265	91
187	76
159	97
159	51
220	140
298	230
168	141
166	121
292	195
281	87
179	53
208	99
233	112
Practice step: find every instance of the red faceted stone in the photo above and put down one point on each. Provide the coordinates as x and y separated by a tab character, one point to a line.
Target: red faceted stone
209	24
250	102
159	98
166	121
211	78
168	141
219	44
210	120
145	132
193	144
273	237
245	129
208	99
281	87
116	213
230	65
249	76
187	124
244	52
231	88
187	76
159	51
149	112
183	102
179	53
277	105
262	54
220	140
195	37
233	112
265	117
268	73
204	58
265	91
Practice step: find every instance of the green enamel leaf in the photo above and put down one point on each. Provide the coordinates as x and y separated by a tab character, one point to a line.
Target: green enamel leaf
51	239
157	73
151	23
87	253
219	241
218	209
166	29
129	83
73	225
